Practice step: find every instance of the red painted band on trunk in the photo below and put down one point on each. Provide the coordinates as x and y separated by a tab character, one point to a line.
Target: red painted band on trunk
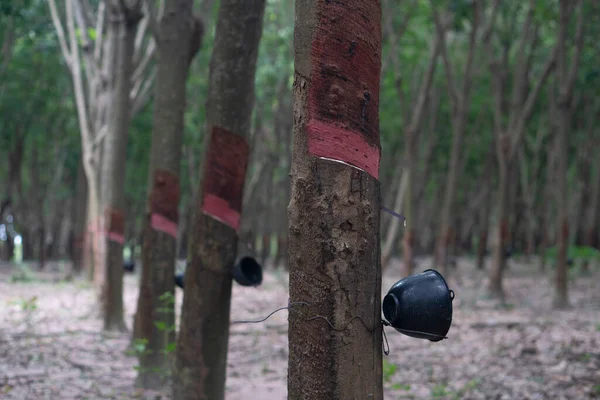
115	237
219	209
164	198
224	176
344	89
115	221
163	224
327	140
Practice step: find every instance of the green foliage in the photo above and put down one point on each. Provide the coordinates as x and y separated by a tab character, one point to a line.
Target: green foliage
389	370
583	253
26	305
400	386
440	390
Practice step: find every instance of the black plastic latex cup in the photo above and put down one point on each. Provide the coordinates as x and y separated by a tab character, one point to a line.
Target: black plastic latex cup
247	272
420	306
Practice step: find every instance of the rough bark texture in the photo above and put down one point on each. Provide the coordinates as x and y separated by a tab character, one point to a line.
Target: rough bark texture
156	312
334	209
113	175
201	355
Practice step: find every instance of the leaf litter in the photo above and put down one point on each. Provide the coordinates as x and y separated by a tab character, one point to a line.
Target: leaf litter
52	347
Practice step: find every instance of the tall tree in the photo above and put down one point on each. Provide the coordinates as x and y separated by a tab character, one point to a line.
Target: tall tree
334	209
123	21
178	40
511	115
90	49
201	355
566	76
459	94
413	113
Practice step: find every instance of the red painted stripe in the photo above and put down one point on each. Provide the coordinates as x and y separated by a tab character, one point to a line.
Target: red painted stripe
220	209
327	140
163	224
115	237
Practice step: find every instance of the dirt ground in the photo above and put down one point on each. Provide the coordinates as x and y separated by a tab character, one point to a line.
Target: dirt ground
51	346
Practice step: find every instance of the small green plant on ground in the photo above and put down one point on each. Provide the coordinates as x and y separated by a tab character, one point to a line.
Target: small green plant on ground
140	346
400	386
440	390
389	370
22	274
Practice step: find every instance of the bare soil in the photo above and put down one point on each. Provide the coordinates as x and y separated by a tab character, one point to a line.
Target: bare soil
52	347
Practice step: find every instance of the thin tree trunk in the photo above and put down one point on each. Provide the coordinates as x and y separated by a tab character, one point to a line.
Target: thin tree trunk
201	355
179	39
460	105
334	210
501	232
124	23
566	81
392	232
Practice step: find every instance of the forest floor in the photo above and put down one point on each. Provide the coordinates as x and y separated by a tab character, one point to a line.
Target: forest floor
51	346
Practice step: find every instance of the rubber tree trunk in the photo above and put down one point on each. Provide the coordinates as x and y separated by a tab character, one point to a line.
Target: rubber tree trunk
155	317
566	75
201	355
113	173
334	209
561	299
501	234
483	228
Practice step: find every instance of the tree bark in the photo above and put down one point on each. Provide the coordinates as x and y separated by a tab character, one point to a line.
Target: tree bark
201	355
334	209
124	22
566	75
178	31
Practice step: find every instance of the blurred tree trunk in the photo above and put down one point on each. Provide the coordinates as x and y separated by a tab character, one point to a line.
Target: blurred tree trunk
589	226
179	39
334	211
65	230
460	99
413	118
483	219
201	354
510	119
530	171
123	22
548	192
566	76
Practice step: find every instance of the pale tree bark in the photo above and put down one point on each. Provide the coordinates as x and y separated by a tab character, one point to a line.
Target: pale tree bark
566	76
201	354
91	63
509	125
123	21
412	117
334	208
460	99
178	40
